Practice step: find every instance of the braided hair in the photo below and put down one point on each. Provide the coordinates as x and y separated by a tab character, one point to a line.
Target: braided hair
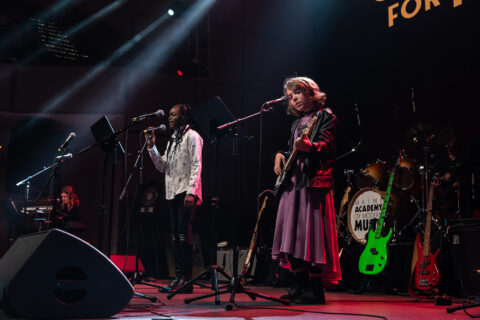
182	127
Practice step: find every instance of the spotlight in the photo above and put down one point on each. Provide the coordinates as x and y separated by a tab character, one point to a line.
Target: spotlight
178	7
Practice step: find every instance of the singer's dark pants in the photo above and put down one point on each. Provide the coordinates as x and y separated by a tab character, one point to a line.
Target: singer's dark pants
181	220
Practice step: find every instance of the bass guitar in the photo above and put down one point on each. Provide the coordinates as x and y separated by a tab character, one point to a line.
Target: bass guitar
427	273
293	155
374	257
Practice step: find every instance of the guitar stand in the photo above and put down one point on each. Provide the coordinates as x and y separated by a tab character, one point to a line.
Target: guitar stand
232	287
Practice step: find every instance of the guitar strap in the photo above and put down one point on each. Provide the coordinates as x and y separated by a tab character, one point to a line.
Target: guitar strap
317	126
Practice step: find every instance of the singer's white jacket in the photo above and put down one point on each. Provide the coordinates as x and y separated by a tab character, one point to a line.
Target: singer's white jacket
182	166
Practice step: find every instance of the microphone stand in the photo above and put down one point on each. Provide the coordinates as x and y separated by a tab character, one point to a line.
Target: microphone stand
235	285
236	281
26	181
355	148
137	278
111	139
111	142
462	307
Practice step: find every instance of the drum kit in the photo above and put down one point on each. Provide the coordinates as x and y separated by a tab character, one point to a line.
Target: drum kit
362	201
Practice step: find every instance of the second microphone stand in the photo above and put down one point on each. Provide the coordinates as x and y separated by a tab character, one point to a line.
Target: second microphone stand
137	277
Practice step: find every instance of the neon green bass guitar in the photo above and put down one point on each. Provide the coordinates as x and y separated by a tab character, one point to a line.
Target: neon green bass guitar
374	257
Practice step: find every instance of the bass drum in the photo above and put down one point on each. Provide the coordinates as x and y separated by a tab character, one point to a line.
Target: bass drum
365	207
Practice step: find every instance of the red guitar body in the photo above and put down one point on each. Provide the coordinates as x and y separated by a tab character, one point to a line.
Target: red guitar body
427	274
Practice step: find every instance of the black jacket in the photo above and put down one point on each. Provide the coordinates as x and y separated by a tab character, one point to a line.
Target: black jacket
318	164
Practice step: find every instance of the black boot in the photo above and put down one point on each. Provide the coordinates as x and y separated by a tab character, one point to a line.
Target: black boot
299	282
178	267
186	266
314	292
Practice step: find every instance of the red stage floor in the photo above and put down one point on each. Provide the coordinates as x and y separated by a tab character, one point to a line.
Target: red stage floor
339	305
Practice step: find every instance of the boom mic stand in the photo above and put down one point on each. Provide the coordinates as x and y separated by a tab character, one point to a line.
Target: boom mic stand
107	139
26	181
137	277
235	285
462	307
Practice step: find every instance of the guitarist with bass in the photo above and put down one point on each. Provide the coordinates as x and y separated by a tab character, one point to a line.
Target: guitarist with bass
305	237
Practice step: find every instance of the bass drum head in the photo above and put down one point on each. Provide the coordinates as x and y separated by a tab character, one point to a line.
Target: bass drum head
366	205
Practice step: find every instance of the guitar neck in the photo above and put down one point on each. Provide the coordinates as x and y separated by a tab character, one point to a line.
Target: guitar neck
428	223
378	231
291	158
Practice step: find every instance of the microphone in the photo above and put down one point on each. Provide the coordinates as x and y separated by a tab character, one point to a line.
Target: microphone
281	99
64	156
266	106
358	115
67	141
157	114
161	128
413	100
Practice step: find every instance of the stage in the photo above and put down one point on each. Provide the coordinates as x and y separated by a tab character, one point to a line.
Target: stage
340	305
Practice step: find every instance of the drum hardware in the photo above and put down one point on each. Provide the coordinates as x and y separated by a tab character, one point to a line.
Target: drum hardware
373	176
405	177
413	219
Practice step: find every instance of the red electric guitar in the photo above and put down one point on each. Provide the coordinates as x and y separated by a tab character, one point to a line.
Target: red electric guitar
427	274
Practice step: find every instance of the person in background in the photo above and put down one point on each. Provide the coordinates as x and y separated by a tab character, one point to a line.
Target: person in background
67	215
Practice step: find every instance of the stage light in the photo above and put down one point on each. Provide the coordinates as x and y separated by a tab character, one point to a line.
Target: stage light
153	56
100	67
179	7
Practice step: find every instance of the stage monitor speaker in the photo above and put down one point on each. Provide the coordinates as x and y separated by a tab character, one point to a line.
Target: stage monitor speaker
54	274
464	237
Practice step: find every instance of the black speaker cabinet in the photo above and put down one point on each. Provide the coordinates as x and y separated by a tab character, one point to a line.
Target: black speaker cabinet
54	274
464	238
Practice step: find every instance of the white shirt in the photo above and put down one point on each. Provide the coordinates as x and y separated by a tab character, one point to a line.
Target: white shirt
183	167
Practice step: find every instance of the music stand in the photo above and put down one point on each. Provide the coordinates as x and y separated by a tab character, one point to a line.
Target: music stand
214	121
